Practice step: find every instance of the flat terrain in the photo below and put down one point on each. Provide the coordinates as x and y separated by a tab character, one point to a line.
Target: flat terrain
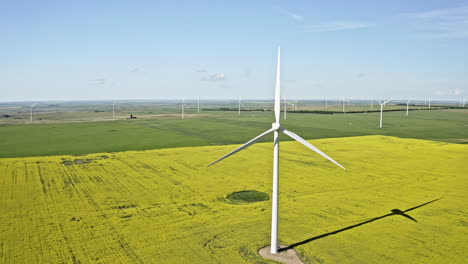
220	128
166	206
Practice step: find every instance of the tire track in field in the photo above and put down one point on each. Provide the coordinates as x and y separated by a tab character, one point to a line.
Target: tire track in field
86	196
123	243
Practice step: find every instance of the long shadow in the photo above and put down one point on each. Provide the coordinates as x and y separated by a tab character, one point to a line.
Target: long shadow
393	212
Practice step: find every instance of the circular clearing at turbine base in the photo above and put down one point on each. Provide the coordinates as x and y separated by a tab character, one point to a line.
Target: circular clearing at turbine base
248	197
288	256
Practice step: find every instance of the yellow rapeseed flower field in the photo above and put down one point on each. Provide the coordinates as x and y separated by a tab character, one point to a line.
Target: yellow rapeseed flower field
166	206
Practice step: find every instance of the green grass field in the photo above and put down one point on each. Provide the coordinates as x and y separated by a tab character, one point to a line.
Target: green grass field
219	129
166	206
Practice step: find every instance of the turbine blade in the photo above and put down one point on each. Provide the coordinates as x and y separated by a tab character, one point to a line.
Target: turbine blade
387	101
278	89
246	145
307	144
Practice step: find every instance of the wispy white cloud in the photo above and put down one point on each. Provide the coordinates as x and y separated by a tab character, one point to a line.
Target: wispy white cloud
296	17
337	26
215	77
446	91
99	81
441	23
201	70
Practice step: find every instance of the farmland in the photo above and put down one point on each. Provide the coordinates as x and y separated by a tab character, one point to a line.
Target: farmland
220	128
80	187
166	206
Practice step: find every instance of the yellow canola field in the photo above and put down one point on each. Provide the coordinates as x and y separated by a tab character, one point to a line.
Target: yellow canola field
166	206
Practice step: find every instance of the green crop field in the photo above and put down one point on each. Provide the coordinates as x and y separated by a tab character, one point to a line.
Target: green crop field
92	137
399	201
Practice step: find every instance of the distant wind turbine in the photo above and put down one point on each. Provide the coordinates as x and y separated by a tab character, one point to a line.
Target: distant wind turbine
381	110
429	103
240	104
113	108
372	103
276	129
407	106
285	107
326	103
31	111
343	106
183	105
198	105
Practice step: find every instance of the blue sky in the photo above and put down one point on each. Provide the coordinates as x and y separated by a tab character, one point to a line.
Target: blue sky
67	50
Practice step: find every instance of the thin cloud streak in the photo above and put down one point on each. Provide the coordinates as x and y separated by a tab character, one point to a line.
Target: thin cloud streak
337	26
443	23
215	77
296	17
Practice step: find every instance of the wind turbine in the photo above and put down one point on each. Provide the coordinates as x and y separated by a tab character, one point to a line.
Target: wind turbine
407	106
240	104
198	105
381	110
182	105
429	103
31	110
285	107
326	103
113	108
372	103
343	106
276	128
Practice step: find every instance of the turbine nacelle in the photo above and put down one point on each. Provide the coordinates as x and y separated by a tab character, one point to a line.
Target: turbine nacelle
276	127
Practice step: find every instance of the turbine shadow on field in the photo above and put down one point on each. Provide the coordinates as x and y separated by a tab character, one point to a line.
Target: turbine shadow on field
393	212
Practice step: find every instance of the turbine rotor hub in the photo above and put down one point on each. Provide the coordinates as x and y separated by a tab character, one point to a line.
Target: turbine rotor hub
276	126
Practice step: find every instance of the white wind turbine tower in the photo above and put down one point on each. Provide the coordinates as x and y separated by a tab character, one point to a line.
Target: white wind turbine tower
182	105
326	103
240	104
372	103
285	107
276	128
343	106
407	106
113	108
31	111
198	105
381	110
429	103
